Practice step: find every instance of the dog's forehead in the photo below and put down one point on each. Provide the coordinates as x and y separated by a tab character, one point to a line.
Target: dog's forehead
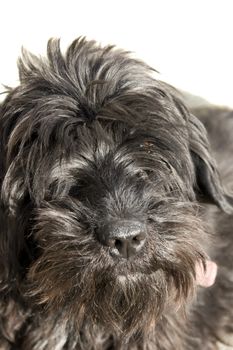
91	147
117	148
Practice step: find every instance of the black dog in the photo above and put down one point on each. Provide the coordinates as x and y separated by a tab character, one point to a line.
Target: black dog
107	218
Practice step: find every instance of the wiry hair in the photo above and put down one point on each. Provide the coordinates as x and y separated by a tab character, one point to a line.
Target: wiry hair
90	137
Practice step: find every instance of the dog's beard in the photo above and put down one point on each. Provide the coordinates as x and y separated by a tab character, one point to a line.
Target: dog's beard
78	275
123	304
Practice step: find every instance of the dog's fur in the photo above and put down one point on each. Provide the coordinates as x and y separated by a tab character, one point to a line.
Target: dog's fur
89	139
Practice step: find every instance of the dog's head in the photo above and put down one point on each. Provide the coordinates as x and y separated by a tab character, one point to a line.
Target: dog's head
102	168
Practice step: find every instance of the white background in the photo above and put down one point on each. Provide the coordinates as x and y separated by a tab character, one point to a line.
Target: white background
189	42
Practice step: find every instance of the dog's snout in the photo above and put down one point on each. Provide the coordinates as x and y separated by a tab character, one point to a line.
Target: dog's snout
125	238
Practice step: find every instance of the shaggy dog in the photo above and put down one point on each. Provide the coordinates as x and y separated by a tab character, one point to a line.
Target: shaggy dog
113	215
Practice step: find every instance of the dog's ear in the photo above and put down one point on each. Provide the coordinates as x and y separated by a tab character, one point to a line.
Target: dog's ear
8	249
15	249
13	218
208	185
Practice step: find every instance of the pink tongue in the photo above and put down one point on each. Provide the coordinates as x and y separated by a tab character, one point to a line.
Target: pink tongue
206	278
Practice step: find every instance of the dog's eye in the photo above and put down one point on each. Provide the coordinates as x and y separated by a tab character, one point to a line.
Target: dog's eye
156	204
151	220
74	191
168	166
141	174
149	172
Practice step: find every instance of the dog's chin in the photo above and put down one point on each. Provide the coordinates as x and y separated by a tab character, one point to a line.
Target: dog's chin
123	304
125	298
132	305
129	304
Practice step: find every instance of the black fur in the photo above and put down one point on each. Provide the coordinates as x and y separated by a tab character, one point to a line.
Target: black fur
88	139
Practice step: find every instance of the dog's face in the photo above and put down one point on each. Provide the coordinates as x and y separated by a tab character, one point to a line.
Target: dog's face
102	170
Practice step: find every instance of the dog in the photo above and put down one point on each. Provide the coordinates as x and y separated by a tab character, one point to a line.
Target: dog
116	208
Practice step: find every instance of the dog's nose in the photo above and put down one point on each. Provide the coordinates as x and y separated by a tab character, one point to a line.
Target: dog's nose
125	238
